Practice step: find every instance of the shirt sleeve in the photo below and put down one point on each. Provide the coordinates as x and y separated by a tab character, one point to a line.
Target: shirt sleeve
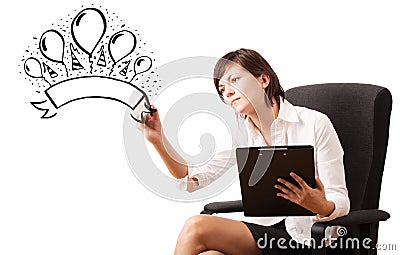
201	176
330	168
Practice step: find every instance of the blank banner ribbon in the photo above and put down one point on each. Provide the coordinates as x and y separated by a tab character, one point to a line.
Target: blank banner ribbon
80	88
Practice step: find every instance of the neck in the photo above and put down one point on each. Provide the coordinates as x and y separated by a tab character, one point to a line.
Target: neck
263	116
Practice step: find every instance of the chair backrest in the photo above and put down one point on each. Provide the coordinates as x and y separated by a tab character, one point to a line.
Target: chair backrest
360	114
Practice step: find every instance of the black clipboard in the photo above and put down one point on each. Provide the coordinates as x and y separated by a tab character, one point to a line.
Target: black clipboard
260	167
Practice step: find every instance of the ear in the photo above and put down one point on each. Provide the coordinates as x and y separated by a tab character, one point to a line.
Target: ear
264	80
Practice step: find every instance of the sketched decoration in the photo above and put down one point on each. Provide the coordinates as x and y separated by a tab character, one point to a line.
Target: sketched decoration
66	46
121	45
33	68
88	28
142	64
108	88
52	45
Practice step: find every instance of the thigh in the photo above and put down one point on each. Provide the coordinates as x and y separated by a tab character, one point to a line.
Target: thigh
274	240
226	235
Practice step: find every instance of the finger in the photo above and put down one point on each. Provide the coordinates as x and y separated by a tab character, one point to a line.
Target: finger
153	107
318	183
284	190
300	181
155	113
287	197
290	186
140	126
150	118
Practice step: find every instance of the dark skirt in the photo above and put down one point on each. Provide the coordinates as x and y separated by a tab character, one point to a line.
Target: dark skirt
275	240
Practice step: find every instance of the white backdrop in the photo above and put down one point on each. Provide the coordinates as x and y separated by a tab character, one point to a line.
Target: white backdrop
65	184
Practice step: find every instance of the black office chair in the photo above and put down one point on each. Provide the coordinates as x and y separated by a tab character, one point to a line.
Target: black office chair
360	114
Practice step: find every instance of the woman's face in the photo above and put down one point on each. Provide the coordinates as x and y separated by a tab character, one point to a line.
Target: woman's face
242	90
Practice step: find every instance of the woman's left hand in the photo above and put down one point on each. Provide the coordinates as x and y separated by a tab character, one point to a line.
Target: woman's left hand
313	200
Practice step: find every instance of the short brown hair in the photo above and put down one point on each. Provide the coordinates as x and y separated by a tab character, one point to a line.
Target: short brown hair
253	62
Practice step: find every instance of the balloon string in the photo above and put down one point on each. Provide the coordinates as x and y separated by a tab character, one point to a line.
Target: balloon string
91	63
112	69
47	81
133	77
66	69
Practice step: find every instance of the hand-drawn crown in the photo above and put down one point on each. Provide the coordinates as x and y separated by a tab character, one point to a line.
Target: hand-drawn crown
91	70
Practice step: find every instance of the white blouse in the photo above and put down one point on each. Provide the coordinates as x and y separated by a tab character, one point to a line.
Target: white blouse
294	126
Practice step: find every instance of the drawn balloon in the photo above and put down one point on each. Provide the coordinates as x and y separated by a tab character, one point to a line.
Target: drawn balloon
52	45
33	68
88	28
121	45
142	64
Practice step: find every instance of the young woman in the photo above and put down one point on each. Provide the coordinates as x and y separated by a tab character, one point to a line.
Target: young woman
245	80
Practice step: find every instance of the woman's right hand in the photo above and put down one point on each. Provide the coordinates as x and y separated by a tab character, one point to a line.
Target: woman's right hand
152	128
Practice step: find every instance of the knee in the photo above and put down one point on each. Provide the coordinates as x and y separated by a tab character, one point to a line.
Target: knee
197	227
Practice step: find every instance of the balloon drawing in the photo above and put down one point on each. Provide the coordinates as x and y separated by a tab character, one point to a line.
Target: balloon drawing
121	45
93	76
33	68
52	45
88	28
142	64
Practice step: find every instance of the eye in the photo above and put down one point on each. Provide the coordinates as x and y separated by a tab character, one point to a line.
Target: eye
234	79
221	90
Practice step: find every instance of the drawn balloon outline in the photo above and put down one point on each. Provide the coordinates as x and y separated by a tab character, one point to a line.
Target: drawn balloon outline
139	67
83	31
33	67
121	45
52	45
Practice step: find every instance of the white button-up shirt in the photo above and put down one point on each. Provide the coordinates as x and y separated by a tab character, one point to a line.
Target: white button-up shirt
293	126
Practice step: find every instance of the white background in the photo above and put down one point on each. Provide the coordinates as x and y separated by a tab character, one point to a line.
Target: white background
65	184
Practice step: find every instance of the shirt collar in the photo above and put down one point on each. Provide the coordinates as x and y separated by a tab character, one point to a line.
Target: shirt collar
287	112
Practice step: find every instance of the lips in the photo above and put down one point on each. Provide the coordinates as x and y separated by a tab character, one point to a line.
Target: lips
234	100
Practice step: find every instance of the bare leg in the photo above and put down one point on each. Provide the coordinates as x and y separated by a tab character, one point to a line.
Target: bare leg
210	233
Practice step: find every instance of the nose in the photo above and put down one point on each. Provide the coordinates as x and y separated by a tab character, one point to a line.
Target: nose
229	91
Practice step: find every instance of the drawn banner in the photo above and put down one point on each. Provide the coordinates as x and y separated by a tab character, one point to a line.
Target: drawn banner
75	89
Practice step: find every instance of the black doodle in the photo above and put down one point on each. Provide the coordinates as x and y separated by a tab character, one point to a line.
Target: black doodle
46	110
102	58
125	70
76	65
98	87
83	47
142	64
119	51
88	28
33	68
47	68
51	46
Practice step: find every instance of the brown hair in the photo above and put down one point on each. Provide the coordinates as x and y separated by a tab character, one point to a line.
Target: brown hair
253	62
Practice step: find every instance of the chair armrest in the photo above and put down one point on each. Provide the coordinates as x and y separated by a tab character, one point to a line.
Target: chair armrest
370	216
223	207
359	217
